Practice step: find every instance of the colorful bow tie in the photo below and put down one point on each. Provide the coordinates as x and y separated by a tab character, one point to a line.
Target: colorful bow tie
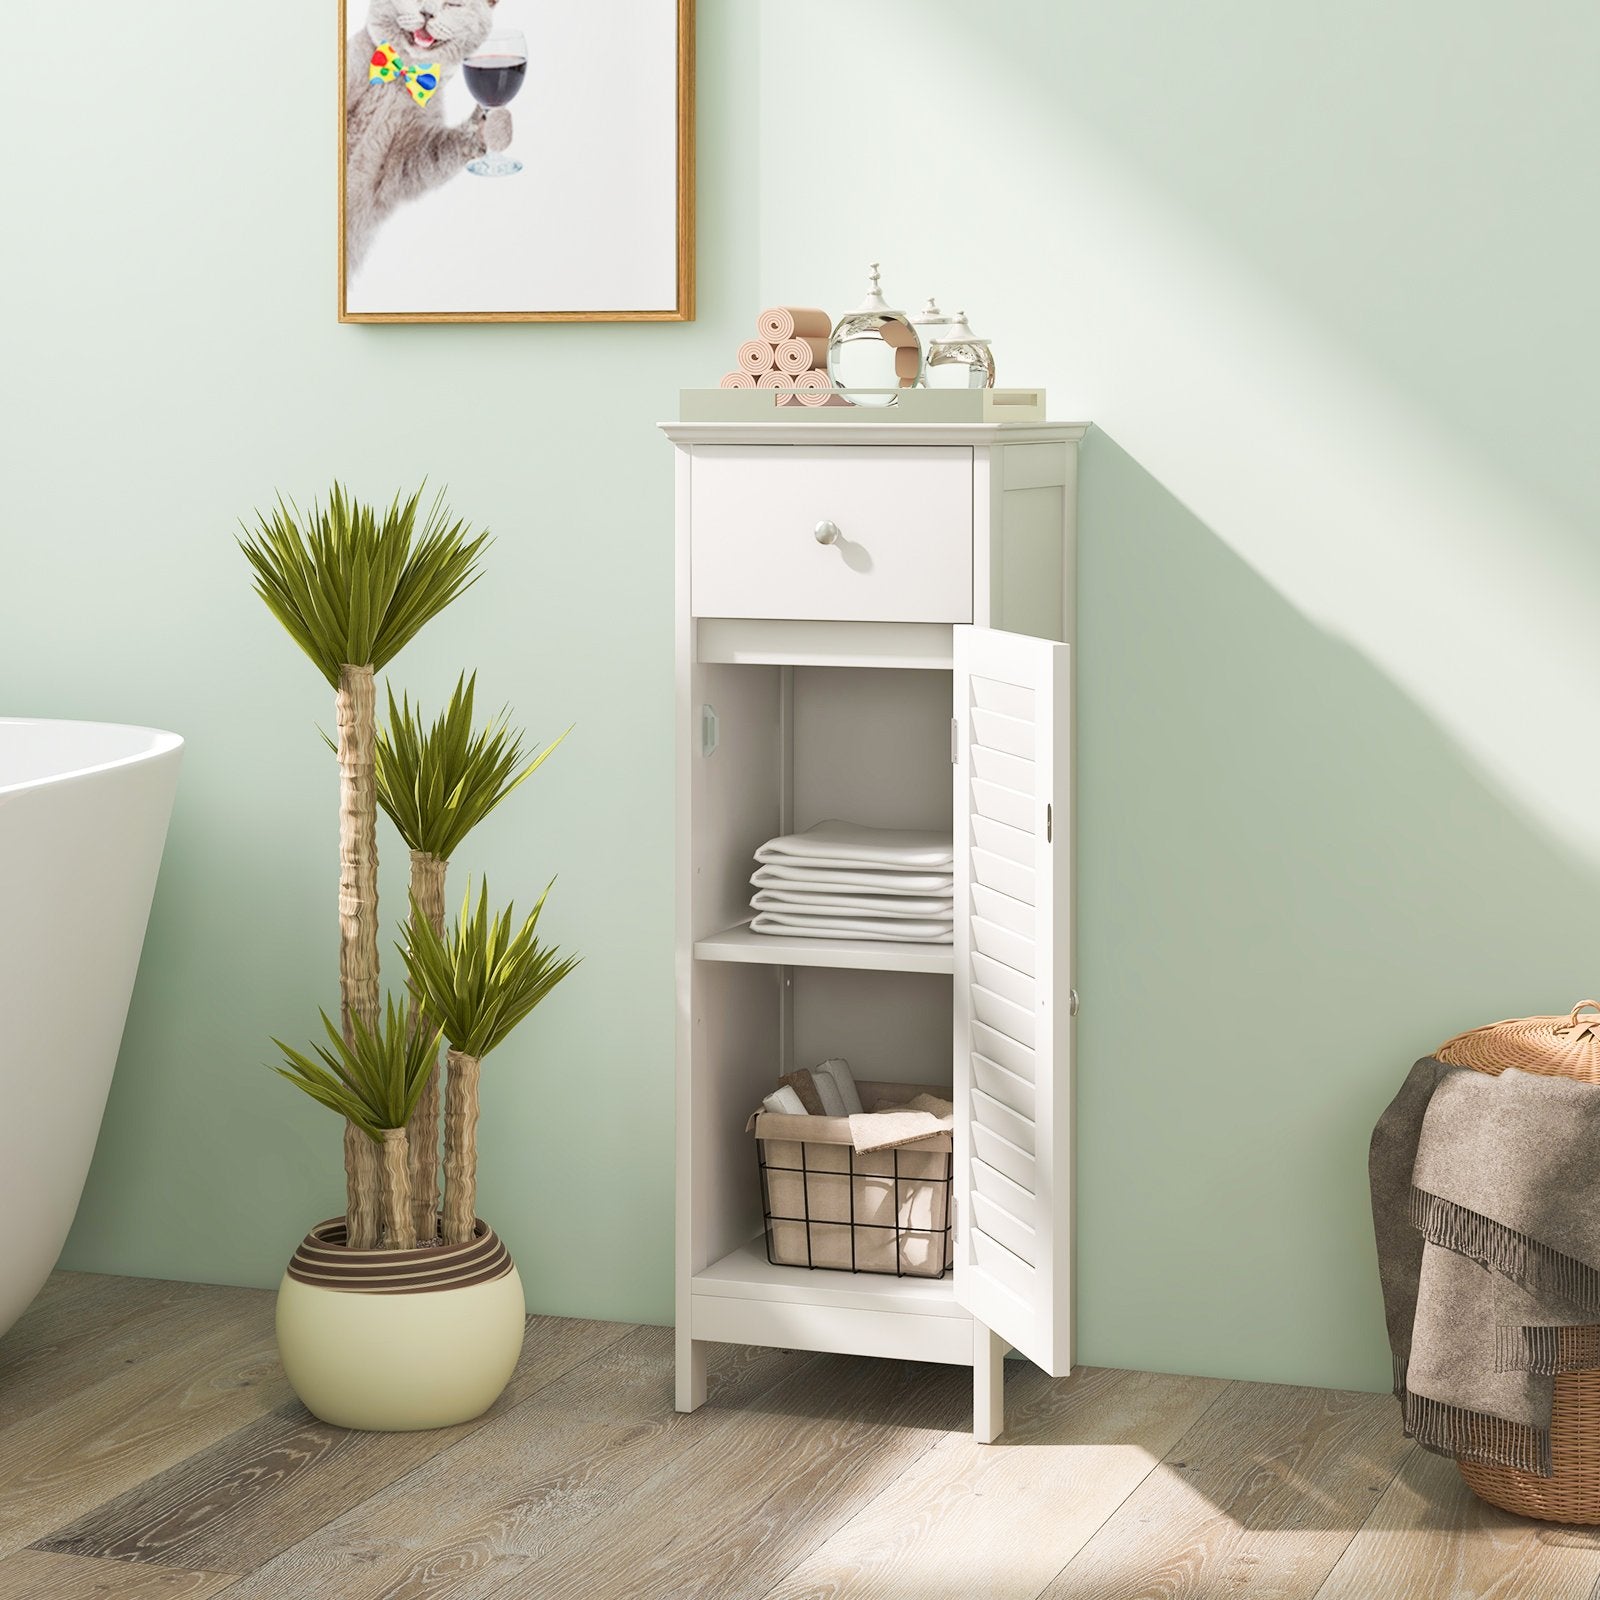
387	67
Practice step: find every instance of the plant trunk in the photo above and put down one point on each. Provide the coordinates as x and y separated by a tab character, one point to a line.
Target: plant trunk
427	889
355	707
461	1148
398	1232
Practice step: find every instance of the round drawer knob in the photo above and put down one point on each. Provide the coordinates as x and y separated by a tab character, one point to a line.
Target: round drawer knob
826	532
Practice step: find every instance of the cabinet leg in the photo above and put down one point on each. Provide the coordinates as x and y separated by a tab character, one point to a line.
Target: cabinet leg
691	1386
988	1385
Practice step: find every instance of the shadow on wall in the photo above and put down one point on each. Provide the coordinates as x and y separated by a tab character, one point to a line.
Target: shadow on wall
1291	884
1411	182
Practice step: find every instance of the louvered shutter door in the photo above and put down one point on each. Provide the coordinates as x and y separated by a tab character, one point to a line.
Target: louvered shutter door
1013	986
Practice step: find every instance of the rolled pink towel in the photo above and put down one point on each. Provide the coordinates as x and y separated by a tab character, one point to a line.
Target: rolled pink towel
775	380
812	388
738	380
778	323
800	355
755	355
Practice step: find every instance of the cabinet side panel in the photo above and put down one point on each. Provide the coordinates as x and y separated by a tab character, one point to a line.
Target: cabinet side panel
736	791
1034	487
1030	589
1069	550
734	1051
736	731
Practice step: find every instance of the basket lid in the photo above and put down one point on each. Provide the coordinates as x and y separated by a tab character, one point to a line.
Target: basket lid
1558	1047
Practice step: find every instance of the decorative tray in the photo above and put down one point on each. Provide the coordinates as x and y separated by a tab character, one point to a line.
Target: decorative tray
831	406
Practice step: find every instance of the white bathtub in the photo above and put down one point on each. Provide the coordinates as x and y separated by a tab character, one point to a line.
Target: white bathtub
83	819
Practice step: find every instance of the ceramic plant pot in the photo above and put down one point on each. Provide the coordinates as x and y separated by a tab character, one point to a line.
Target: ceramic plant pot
399	1340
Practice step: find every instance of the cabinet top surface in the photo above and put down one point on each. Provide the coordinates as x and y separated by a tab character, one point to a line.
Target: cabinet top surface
874	433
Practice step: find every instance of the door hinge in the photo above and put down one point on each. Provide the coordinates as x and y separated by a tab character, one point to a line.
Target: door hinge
955	1219
955	738
709	731
1049	824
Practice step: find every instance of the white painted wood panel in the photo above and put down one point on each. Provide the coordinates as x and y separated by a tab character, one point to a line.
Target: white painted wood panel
904	546
746	1274
1013	961
796	642
738	943
892	1335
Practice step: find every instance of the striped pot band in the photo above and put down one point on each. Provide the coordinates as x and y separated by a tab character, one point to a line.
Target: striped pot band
326	1262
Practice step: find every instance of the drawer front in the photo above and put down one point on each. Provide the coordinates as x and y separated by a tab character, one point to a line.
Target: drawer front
904	546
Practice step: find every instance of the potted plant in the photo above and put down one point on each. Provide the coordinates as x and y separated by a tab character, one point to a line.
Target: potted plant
393	1316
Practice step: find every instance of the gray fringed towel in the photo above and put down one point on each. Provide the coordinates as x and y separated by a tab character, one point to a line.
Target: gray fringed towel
1486	1207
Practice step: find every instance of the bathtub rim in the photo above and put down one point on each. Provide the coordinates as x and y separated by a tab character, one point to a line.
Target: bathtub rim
161	742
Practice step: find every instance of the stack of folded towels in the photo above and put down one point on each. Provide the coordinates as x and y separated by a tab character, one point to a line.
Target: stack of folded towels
840	880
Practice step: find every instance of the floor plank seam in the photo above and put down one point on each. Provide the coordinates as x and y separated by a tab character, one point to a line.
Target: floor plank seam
1111	1516
852	1517
641	1490
1377	1501
509	1583
46	1545
429	1463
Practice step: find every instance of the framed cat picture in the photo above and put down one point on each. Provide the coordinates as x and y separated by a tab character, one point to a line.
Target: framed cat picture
516	161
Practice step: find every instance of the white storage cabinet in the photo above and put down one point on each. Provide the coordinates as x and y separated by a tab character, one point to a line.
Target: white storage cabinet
874	623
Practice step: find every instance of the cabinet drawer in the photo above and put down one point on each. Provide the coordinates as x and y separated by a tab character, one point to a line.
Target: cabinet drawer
903	551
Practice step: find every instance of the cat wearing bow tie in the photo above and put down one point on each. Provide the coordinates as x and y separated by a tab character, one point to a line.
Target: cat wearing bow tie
397	149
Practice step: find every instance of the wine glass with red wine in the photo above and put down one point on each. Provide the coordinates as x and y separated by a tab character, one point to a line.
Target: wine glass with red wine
493	75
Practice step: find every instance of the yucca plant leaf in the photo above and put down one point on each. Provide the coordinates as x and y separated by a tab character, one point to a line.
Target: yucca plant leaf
375	1079
351	587
438	782
483	976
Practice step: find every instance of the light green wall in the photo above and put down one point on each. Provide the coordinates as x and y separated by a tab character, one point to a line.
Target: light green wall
1322	278
173	359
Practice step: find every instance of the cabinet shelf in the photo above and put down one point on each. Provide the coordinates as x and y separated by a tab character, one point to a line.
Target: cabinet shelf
868	955
744	1299
746	1274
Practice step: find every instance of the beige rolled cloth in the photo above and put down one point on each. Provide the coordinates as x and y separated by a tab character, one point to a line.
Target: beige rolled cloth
775	380
778	323
800	355
907	351
812	388
738	380
755	355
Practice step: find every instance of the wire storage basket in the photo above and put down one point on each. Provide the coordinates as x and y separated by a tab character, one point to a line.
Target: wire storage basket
827	1205
1567	1047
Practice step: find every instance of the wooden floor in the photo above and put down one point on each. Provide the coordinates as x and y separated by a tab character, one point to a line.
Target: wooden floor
149	1447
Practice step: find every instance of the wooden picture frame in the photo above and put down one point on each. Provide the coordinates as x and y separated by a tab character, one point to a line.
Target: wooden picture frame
678	297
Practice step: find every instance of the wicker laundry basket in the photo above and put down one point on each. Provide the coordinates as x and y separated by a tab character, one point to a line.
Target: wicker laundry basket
1566	1047
828	1206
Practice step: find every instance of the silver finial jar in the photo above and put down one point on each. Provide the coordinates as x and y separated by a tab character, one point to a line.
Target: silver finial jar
957	358
874	347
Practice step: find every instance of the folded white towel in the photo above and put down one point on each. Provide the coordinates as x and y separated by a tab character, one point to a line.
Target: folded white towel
795	926
785	1102
844	1081
849	843
788	876
781	901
